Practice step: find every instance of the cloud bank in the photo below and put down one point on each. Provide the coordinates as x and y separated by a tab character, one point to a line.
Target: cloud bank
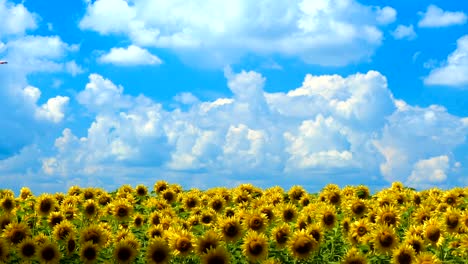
349	130
314	31
454	71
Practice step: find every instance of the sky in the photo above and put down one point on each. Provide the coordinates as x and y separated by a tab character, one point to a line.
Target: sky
218	93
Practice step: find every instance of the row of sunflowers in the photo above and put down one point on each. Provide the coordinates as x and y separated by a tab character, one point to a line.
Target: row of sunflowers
244	224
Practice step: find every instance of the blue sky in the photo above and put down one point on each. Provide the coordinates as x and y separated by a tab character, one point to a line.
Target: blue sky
217	93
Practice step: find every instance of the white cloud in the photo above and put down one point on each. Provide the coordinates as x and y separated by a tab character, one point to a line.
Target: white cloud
52	111
409	132
428	172
331	128
16	19
436	17
131	56
404	32
24	119
315	31
102	95
386	15
186	98
454	72
73	68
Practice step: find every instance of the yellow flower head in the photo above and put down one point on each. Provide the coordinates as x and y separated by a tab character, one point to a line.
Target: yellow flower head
158	252
302	245
255	246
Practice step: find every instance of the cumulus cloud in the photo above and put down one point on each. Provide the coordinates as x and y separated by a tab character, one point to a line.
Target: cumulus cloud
330	125
386	15
404	32
427	172
102	95
409	132
30	119
453	72
73	68
436	17
53	110
130	56
314	31
16	19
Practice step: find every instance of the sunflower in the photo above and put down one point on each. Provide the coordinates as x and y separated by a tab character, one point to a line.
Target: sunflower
208	216
41	238
288	212
421	214
255	221
302	245
45	204
217	203
55	218
427	258
63	229
404	254
230	228
121	209
333	196
360	230
169	195
74	190
88	193
362	192
384	239
70	244
255	246
8	204
218	255
89	252
316	231
241	197
160	186
141	190
268	211
4	251
190	201
5	219
124	252
358	207
328	216
16	232
138	220
48	253
345	225
416	242
452	218
95	234
210	239
158	252
27	249
296	192
181	241
90	209
281	234
155	231
388	215
25	193
433	232
302	221
104	199
353	256
451	198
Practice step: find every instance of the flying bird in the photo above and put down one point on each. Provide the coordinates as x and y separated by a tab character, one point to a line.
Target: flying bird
3	62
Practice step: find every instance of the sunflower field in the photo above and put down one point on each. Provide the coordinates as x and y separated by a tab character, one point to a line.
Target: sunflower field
244	224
